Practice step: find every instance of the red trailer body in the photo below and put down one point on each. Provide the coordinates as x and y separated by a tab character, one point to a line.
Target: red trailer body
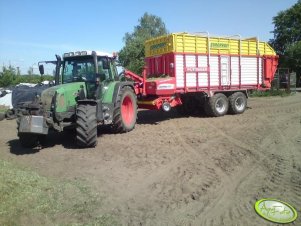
182	64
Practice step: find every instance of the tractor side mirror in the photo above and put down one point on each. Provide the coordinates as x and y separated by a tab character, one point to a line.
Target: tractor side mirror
41	69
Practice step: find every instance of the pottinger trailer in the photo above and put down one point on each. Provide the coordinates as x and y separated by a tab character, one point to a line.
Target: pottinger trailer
189	71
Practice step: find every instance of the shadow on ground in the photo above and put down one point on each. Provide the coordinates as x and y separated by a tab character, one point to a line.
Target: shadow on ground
68	138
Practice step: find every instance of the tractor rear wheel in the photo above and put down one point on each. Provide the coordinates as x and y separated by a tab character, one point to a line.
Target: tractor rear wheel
237	103
86	128
125	112
217	105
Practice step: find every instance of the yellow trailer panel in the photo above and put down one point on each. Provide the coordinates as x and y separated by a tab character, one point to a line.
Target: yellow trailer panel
198	44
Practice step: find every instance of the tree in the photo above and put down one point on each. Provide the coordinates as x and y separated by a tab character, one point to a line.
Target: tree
287	38
287	28
132	54
7	76
292	57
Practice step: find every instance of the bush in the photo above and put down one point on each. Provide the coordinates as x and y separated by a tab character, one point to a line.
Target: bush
9	77
268	93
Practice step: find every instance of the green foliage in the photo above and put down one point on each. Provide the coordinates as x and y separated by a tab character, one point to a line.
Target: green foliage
268	93
11	76
132	54
287	37
7	76
292	57
287	28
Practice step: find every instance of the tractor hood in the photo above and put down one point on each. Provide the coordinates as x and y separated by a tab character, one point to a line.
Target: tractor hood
62	97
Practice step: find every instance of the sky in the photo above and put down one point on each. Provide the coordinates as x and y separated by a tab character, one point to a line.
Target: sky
36	30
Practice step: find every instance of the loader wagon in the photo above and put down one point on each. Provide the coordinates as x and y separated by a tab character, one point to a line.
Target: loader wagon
188	71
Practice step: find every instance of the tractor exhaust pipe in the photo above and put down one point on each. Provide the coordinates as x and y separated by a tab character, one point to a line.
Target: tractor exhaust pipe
57	69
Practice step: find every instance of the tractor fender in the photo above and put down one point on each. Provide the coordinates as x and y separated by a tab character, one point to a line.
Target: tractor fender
87	101
118	88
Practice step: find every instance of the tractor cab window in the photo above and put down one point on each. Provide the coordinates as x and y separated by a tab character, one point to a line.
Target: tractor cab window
77	70
104	69
83	70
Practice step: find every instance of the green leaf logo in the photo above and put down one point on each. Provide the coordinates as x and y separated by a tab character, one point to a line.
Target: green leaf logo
276	211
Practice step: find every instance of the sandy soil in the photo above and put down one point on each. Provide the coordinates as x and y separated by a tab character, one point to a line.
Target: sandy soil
172	170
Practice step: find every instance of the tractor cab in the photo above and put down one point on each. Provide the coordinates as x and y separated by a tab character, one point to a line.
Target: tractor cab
93	68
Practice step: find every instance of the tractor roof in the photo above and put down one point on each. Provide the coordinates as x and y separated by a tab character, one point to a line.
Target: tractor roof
86	53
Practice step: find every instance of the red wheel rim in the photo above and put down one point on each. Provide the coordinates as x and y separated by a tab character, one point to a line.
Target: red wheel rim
127	111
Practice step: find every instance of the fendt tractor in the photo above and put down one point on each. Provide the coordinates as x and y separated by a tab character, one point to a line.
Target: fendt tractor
183	71
86	94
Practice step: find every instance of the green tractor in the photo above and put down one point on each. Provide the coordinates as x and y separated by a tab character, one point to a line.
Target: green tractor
88	93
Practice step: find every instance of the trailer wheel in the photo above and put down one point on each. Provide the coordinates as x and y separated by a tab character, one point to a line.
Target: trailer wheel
86	128
217	105
237	103
125	112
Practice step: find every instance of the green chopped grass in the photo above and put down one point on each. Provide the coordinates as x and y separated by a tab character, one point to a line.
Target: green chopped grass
27	198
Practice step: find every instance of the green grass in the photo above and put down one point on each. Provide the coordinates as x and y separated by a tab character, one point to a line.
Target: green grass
3	108
268	93
27	198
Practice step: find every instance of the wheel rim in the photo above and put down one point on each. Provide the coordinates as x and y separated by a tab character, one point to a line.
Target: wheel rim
239	104
127	111
220	105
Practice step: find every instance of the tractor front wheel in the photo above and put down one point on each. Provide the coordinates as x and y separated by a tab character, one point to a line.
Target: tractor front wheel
86	128
125	113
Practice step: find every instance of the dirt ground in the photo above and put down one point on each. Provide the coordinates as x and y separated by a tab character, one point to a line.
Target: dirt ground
173	170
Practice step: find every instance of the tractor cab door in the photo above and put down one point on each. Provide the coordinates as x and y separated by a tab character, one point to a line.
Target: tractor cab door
107	73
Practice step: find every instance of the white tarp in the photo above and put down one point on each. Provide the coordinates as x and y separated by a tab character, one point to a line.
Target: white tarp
6	100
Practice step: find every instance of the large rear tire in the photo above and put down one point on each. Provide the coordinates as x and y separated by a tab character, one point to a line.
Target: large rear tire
237	103
125	112
86	129
217	105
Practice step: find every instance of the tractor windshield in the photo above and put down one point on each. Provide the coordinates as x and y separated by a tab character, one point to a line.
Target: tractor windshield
77	69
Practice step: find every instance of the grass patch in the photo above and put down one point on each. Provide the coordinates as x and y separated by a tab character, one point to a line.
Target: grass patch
268	93
27	198
3	108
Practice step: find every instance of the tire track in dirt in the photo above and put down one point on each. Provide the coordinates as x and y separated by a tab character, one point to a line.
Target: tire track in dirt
221	202
231	205
186	187
277	179
287	175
